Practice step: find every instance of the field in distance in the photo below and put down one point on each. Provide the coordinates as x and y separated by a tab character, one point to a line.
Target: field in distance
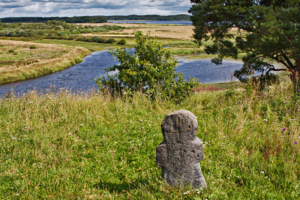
21	60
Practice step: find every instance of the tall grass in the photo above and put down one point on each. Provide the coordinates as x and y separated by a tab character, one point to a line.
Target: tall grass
66	146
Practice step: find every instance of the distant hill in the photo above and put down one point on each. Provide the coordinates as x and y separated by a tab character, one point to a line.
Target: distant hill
150	17
95	19
82	19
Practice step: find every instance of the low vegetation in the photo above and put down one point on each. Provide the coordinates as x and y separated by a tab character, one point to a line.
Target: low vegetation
150	68
61	145
52	30
23	60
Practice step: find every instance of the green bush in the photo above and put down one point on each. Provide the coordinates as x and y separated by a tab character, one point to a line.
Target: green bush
33	47
122	42
11	51
149	69
111	40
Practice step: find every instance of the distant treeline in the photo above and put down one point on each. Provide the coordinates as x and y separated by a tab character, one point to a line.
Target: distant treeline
150	17
95	19
84	19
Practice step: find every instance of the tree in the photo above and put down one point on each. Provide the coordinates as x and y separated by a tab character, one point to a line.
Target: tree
267	30
149	68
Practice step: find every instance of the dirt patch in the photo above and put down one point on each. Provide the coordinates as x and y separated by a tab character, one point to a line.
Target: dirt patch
208	89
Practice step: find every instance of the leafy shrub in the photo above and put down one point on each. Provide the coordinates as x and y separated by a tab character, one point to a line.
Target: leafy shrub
33	47
122	42
101	40
111	40
98	39
149	69
81	38
11	51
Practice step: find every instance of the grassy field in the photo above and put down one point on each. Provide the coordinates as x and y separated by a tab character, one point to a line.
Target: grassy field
23	60
58	50
62	146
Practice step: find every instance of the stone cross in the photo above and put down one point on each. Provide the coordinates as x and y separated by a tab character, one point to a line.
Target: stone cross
181	151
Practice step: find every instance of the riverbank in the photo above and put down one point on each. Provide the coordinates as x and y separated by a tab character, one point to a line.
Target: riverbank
25	60
61	145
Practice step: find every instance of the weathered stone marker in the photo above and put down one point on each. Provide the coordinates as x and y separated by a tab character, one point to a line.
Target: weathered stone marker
181	151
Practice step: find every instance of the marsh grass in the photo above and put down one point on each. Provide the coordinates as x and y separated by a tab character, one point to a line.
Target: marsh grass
31	63
64	146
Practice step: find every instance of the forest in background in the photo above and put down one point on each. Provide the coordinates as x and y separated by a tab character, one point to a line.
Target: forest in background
95	19
150	17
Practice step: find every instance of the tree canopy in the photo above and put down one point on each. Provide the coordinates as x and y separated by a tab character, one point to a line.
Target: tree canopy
75	19
150	68
267	30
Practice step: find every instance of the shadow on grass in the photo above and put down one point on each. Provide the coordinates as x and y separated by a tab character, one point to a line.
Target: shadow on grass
120	187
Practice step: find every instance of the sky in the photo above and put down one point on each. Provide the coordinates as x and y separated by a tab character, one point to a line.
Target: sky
69	8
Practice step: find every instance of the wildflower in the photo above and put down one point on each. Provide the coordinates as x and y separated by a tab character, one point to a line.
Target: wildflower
287	111
283	129
265	120
70	133
262	172
284	102
296	142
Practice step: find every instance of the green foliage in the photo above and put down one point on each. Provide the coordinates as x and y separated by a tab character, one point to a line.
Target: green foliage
122	42
52	29
33	47
111	40
11	51
66	146
266	30
75	19
150	69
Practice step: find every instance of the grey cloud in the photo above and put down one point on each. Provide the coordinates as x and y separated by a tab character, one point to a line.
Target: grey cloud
15	8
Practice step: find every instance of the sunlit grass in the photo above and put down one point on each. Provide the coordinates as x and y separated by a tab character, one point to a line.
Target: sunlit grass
19	62
61	145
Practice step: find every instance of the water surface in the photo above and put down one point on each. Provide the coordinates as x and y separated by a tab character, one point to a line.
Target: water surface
80	77
150	22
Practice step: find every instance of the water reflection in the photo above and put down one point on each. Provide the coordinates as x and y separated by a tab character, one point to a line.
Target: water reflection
81	77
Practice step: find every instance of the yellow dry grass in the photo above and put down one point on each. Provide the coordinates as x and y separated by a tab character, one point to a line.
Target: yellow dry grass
184	32
180	32
39	67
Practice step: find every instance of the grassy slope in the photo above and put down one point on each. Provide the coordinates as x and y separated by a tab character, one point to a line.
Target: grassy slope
24	63
91	147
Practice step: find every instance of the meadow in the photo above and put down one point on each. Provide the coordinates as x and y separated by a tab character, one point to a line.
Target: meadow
65	146
58	45
60	145
23	60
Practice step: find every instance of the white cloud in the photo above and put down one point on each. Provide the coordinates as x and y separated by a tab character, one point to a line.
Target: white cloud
20	8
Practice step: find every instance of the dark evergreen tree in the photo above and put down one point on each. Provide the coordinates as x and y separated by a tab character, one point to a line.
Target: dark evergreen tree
268	29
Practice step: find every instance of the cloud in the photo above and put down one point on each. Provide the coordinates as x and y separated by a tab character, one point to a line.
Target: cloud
43	8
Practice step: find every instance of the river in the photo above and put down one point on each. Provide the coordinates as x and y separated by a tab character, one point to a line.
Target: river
80	77
150	22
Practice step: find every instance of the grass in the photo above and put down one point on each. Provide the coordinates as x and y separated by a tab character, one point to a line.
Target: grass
92	46
61	146
19	62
